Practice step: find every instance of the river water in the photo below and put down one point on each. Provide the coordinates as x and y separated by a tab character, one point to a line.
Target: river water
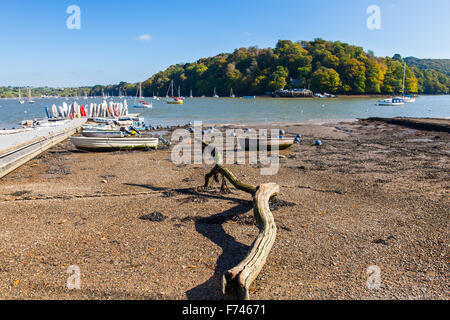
239	110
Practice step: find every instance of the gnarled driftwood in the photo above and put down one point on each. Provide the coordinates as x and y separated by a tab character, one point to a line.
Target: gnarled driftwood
236	282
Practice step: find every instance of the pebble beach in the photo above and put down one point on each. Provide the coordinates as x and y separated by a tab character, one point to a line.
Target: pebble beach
139	227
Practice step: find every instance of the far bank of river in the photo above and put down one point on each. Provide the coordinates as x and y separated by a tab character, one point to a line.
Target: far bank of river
239	110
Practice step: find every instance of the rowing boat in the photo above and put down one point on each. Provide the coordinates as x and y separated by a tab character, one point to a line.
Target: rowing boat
108	144
255	143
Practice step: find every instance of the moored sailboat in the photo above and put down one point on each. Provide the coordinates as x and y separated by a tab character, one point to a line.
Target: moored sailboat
173	100
142	103
29	96
21	101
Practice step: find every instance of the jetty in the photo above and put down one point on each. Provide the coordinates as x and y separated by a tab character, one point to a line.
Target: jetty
19	148
293	93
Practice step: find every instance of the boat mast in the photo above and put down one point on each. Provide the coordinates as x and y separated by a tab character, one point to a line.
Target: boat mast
404	77
171	86
135	98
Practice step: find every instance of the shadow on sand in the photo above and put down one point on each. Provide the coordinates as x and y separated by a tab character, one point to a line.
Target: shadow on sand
233	252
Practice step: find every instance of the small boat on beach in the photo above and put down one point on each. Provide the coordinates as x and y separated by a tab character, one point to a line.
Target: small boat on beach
283	143
109	144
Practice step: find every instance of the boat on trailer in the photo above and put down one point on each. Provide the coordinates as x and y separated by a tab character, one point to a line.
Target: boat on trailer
109	144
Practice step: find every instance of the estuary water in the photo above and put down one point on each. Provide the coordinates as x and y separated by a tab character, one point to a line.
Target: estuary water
240	110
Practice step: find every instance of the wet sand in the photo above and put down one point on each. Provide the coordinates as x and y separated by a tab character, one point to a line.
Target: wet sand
373	194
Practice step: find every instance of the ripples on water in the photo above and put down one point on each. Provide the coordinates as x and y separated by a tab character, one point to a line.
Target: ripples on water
227	110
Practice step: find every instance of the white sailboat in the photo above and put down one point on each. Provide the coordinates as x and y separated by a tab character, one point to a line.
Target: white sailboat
29	96
398	101
232	94
190	96
404	97
215	94
142	103
21	101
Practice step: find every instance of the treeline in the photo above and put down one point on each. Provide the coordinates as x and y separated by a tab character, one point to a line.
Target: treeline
319	65
13	92
441	65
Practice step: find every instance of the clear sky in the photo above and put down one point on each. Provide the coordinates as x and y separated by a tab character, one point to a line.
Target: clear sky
131	40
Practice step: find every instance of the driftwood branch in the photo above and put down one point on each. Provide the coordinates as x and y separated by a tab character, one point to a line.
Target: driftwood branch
236	282
218	169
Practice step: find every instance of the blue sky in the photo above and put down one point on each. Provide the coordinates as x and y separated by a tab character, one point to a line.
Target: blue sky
37	49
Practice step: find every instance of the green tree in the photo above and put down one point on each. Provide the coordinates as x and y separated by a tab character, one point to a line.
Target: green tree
326	80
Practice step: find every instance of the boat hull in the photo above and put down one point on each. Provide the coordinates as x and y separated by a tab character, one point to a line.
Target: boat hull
110	144
247	143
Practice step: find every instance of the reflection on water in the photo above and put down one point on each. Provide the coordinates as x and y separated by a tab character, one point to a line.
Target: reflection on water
227	110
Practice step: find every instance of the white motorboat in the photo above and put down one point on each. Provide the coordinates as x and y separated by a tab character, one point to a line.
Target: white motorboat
108	144
391	102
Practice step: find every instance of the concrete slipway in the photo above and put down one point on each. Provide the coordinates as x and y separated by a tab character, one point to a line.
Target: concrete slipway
19	148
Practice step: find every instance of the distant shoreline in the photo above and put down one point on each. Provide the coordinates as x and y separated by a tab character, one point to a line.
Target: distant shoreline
346	96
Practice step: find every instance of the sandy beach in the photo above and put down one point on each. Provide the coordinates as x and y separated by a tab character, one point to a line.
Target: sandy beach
375	193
